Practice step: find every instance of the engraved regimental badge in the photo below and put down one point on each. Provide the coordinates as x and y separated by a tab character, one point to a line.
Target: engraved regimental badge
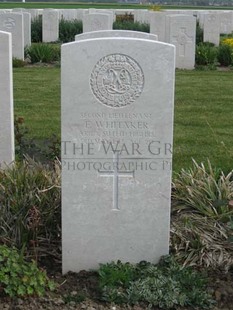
117	80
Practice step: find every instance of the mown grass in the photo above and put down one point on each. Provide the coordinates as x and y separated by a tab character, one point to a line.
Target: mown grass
203	112
85	5
37	100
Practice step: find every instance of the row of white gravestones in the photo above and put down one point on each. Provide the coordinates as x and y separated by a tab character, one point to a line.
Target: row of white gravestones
27	17
117	125
179	30
7	152
19	25
92	20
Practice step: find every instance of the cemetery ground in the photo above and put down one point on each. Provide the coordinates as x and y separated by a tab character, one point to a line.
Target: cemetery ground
203	112
201	226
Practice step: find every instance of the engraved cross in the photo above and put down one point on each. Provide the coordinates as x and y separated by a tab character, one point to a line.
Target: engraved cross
116	174
182	39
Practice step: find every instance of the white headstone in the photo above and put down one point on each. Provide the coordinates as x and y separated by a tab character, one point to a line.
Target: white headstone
13	23
158	25
226	22
34	13
68	14
7	150
97	21
181	31
27	28
80	13
212	28
115	33
117	125
142	16
50	25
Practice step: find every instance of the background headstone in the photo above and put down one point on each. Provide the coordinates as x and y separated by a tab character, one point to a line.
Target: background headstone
158	25
142	16
50	25
7	150
13	23
68	14
97	21
212	28
27	28
117	126
181	32
33	12
226	22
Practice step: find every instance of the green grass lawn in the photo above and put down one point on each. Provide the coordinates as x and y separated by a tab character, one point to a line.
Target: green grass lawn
203	112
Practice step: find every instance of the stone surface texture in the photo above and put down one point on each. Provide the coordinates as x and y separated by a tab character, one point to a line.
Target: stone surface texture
7	150
115	33
181	32
13	23
117	131
50	25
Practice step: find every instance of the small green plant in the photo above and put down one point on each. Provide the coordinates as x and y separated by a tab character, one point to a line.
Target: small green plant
19	277
199	34
36	29
165	285
201	227
206	54
43	52
30	207
198	240
131	25
18	63
68	29
225	55
205	190
114	274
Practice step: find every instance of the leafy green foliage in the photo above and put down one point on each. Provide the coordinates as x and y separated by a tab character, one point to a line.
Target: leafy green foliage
165	285
43	52
131	25
30	207
202	225
68	29
205	190
36	29
199	34
114	274
206	54
225	55
198	240
21	278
